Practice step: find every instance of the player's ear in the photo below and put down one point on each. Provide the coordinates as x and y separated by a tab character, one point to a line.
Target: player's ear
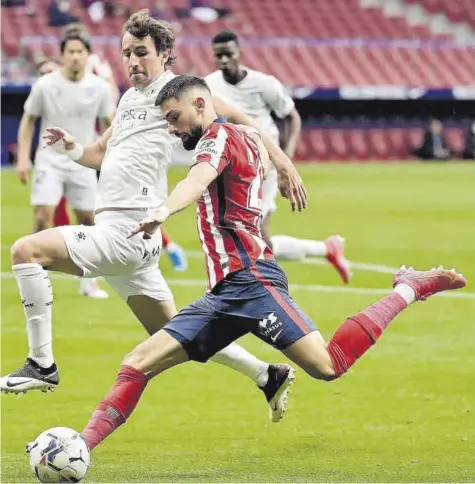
164	56
200	104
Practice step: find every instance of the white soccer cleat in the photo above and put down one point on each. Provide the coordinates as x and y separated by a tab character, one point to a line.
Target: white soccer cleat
29	377
277	388
90	288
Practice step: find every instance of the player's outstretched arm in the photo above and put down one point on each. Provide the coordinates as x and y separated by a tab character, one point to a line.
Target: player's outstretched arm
90	156
290	184
185	193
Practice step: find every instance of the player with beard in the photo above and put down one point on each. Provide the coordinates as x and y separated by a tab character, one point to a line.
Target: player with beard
247	289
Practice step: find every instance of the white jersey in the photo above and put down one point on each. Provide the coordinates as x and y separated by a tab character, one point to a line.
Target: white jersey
134	168
75	106
257	95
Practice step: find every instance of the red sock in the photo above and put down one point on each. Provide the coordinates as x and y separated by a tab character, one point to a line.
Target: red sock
166	239
358	333
116	407
61	214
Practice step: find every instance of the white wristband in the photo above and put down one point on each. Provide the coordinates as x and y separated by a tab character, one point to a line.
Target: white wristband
76	153
163	211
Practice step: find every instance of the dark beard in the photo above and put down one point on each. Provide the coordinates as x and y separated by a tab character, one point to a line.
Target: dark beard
191	139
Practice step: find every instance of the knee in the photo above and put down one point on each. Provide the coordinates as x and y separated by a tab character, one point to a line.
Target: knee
24	251
324	372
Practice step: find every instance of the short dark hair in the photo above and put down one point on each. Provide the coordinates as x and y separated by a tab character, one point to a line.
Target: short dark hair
75	35
141	25
179	85
225	36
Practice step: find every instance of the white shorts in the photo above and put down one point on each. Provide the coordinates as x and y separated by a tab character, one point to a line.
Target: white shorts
270	189
130	266
50	184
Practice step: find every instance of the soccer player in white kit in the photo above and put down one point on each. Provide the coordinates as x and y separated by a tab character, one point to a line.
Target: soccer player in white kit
258	95
133	156
70	96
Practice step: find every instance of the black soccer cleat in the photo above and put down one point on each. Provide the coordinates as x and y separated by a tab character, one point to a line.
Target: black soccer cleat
31	376
277	389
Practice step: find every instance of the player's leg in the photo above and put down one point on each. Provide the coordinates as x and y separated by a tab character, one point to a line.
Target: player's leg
81	192
31	256
358	333
76	250
43	217
150	299
46	192
175	253
332	248
159	352
61	216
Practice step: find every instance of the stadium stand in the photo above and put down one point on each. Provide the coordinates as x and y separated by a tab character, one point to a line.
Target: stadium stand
328	44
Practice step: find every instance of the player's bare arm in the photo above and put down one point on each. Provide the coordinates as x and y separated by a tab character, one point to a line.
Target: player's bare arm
291	130
104	124
90	156
184	194
290	183
25	136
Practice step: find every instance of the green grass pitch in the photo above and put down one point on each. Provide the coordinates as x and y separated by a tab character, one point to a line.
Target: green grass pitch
404	413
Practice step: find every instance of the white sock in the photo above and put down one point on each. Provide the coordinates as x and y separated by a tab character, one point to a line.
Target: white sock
85	283
290	248
406	292
37	299
239	359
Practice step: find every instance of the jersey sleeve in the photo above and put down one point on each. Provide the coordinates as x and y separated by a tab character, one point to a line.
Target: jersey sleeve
277	99
213	148
34	103
107	106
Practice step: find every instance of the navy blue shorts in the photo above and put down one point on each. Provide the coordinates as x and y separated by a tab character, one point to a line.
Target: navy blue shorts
254	300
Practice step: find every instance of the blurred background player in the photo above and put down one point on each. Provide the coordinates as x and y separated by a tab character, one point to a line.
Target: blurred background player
259	95
74	98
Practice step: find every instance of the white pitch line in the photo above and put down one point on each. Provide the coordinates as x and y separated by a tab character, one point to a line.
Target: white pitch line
362	266
293	287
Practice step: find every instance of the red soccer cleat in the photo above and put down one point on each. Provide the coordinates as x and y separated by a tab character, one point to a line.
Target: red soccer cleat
335	245
427	283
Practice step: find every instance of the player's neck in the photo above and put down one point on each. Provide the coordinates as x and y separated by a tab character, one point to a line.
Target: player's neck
236	77
73	76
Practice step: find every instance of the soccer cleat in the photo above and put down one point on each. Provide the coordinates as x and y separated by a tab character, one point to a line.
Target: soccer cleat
428	283
335	245
90	288
177	257
30	376
277	389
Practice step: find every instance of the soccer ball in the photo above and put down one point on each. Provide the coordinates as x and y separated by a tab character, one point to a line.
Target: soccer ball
59	454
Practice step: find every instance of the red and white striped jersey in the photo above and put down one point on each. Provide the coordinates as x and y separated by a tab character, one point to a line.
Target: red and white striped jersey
229	212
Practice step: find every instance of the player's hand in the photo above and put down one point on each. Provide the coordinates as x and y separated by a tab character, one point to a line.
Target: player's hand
60	140
148	226
23	168
291	186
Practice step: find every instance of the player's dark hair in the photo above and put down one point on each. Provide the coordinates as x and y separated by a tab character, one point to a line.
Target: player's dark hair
76	28
179	85
75	36
225	36
141	25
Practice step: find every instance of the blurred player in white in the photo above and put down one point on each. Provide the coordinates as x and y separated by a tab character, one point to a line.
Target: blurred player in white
258	95
74	98
133	156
